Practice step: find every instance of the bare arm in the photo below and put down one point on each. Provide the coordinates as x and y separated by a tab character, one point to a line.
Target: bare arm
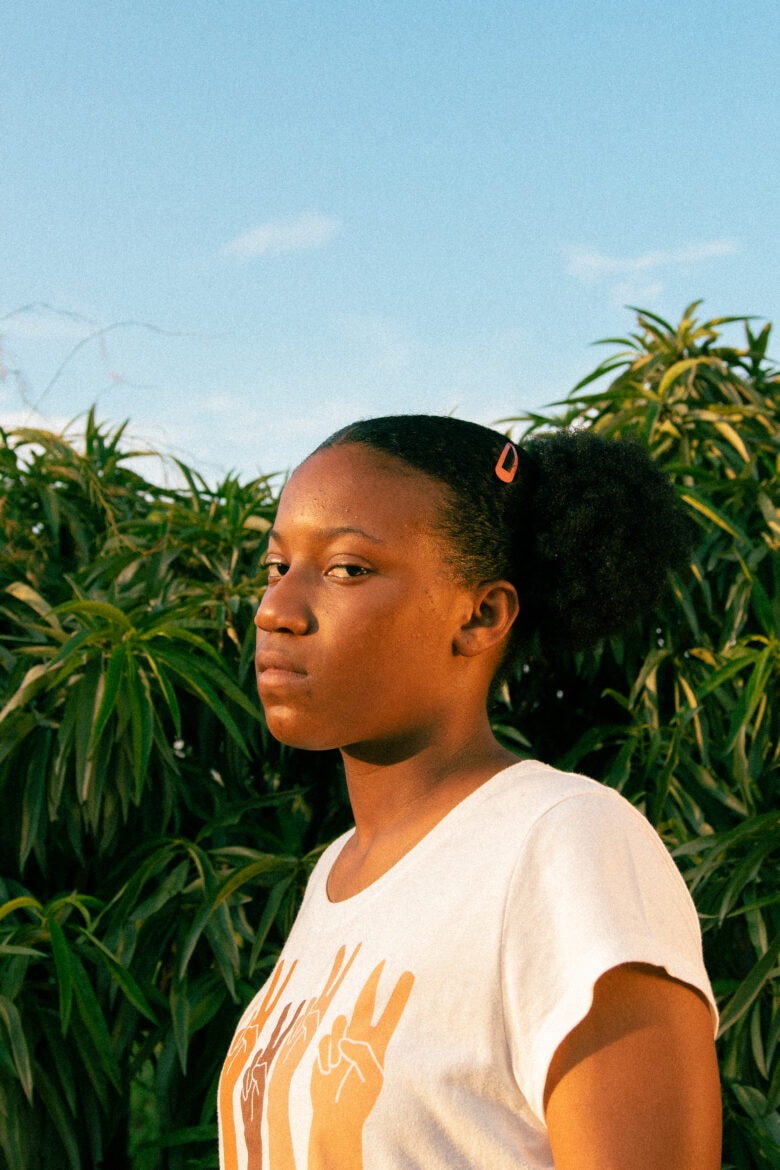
635	1085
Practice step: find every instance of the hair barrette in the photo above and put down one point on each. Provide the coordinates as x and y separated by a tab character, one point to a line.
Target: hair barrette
508	461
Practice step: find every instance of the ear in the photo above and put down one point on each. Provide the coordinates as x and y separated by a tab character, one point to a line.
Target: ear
495	607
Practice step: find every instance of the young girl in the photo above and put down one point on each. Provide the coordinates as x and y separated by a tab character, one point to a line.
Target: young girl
500	967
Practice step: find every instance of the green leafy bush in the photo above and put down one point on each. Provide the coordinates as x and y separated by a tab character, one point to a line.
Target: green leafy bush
681	714
155	840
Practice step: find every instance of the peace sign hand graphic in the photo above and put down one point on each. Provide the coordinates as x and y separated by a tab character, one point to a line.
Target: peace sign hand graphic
348	1074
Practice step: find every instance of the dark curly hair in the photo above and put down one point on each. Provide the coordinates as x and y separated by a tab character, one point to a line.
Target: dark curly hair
586	531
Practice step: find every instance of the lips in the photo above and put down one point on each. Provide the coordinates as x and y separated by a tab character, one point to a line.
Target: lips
272	660
275	670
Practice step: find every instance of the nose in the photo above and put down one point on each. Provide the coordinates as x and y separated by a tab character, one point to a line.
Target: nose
283	608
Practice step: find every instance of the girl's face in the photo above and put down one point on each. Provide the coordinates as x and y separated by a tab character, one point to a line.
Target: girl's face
356	631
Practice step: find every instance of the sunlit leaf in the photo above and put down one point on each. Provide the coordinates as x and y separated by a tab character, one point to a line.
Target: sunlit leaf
716	515
25	901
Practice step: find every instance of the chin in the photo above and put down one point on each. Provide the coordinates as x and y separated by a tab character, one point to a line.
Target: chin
303	738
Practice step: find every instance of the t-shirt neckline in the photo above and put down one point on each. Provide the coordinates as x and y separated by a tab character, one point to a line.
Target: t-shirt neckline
447	823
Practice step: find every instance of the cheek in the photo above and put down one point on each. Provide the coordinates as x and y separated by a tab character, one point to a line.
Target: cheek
395	652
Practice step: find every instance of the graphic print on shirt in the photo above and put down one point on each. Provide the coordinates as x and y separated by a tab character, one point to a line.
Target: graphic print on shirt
346	1078
243	1043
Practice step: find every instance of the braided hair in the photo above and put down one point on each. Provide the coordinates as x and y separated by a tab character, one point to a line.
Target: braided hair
585	528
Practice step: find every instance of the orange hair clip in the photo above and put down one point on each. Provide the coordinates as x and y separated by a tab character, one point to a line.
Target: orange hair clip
508	460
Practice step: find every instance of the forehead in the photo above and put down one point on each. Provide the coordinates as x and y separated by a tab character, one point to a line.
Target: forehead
353	486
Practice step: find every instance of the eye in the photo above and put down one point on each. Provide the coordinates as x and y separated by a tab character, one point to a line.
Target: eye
275	570
347	571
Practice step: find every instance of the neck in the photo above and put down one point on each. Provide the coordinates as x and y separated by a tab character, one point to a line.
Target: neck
398	800
407	788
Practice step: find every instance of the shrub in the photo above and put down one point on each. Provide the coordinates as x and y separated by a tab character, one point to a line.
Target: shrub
155	840
681	713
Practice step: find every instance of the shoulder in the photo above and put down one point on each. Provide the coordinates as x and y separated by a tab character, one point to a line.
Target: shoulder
534	799
593	888
579	833
595	872
549	830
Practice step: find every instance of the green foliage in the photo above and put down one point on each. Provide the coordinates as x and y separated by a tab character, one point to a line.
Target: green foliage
155	840
682	713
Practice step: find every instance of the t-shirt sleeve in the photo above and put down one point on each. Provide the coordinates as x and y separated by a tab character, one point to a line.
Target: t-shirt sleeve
594	887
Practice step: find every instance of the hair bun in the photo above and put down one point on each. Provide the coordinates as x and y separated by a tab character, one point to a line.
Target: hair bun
605	528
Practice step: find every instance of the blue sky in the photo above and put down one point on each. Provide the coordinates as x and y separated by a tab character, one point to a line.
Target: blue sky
241	225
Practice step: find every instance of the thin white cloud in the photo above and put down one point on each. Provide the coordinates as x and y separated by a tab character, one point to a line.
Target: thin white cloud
637	292
278	236
221	403
589	265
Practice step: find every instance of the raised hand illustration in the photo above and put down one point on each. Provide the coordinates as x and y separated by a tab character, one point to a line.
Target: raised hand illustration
348	1074
253	1087
244	1041
288	1058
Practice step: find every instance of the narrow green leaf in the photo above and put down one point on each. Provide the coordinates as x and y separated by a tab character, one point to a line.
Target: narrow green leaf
645	679
125	979
63	967
268	863
24	592
191	941
108	614
11	949
194	678
757	1041
180	1019
685	601
9	1014
665	326
61	1054
270	910
763	608
676	371
63	1124
739	658
707	508
11	1135
68	650
599	372
222	940
750	987
732	437
20	903
93	1023
112	679
31	684
34	794
86	696
256	523
164	891
168	690
751	695
142	717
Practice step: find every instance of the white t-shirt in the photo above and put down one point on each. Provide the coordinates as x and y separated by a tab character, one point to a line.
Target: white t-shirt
411	1027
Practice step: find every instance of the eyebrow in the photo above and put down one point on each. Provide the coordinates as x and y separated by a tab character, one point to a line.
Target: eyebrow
331	533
